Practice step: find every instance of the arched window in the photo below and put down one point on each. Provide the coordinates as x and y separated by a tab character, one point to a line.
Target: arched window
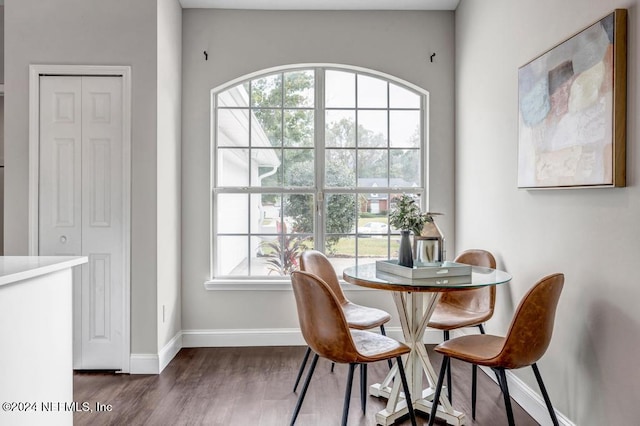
311	157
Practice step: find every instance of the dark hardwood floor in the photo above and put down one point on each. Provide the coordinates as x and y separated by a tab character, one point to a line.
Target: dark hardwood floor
253	386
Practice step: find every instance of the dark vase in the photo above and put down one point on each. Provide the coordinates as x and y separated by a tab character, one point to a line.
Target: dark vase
405	254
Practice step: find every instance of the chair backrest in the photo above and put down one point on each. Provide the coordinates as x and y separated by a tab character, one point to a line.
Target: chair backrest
532	325
476	300
315	262
322	320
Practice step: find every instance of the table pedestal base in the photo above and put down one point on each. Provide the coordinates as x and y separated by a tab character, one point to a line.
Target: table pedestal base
414	316
423	405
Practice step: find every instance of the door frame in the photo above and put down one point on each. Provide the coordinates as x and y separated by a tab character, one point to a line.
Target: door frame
35	71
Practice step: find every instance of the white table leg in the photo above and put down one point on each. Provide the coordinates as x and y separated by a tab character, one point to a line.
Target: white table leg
414	310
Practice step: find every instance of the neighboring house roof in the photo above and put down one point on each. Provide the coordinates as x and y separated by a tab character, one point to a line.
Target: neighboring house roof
233	127
382	183
377	183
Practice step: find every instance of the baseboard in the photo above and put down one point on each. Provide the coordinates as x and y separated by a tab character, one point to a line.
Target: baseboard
241	337
144	364
169	351
152	363
269	337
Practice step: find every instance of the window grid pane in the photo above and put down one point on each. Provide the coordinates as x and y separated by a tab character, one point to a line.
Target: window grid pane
298	89
340	128
372	128
340	89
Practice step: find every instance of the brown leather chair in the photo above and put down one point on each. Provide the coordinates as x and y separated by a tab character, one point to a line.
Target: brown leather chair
326	331
358	317
526	341
468	308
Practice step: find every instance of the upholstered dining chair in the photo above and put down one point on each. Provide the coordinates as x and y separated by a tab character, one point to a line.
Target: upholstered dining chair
325	329
467	308
525	343
358	317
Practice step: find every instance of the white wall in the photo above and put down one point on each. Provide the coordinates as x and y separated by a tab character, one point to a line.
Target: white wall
169	159
88	32
1	131
592	235
242	42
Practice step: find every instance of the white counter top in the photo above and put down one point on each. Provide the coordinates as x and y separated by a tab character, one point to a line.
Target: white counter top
18	268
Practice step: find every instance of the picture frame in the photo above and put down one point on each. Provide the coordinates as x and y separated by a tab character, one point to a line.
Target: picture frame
572	110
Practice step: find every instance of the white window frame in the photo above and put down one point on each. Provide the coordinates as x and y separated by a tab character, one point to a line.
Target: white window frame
284	283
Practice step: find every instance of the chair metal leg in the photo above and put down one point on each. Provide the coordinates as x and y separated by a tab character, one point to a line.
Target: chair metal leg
347	394
384	333
407	395
449	390
474	382
545	395
301	370
507	398
304	389
333	364
497	373
363	387
436	397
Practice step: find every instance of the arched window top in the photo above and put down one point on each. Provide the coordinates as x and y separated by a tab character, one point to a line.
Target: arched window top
346	69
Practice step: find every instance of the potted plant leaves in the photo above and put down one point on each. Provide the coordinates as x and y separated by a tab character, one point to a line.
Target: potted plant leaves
407	217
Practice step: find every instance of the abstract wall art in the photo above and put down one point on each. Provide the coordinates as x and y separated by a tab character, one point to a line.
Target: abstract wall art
572	110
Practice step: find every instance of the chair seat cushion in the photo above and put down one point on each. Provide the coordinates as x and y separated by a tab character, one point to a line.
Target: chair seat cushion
375	347
481	349
449	317
363	317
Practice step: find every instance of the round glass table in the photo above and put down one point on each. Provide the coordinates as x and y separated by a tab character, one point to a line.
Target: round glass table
415	300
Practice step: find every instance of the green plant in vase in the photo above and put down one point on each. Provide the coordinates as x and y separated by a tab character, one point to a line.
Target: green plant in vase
407	217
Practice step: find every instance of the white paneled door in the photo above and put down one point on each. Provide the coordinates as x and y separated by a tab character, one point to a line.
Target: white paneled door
81	205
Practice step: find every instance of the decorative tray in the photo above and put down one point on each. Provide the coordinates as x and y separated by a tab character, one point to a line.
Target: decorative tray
425	282
433	270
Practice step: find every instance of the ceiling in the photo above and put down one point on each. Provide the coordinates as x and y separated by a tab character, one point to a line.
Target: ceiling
323	4
320	4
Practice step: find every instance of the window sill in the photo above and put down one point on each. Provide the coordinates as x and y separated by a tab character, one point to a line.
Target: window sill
270	285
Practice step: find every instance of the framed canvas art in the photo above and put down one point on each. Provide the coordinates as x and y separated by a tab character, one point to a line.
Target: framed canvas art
572	110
